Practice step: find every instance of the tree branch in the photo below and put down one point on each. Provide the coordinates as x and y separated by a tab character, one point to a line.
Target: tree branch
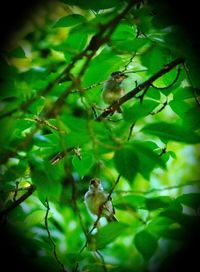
111	109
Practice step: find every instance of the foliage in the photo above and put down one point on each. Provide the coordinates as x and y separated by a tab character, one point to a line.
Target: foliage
57	134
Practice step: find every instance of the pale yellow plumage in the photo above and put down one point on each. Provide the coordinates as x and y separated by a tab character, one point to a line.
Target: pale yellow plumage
96	199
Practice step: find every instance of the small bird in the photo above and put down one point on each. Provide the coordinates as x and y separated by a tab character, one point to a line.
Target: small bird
97	202
113	89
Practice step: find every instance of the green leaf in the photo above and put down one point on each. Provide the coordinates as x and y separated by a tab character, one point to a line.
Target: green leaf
131	45
159	224
46	179
17	53
191	118
183	93
130	201
108	234
172	132
166	80
191	200
183	219
106	61
8	125
34	218
124	31
76	41
166	227
146	244
148	159
139	110
144	149
180	107
158	202
127	163
84	165
37	106
154	58
69	20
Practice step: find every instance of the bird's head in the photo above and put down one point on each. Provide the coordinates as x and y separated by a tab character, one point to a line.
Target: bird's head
118	76
95	184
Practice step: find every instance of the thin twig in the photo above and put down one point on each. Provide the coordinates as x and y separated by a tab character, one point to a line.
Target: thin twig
50	238
130	131
102	260
161	109
126	66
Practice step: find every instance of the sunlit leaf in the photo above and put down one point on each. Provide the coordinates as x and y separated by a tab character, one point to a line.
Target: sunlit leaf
183	93
130	201
172	132
108	234
84	164
34	218
139	110
69	20
37	106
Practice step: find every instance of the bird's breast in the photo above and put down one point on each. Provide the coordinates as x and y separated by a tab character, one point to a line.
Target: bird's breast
94	202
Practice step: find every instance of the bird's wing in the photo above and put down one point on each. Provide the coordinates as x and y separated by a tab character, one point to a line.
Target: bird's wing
109	206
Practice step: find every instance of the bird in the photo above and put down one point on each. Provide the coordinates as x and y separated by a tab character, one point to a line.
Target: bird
113	89
98	201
